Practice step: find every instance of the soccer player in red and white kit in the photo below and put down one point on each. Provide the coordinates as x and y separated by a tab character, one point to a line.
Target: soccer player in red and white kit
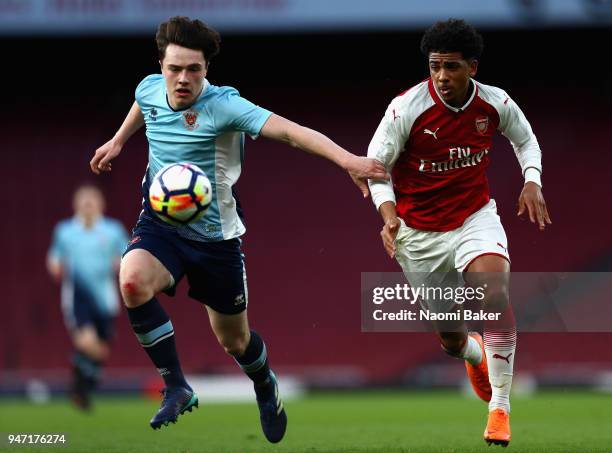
435	139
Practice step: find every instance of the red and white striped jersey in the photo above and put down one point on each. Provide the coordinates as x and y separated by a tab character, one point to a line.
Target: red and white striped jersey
437	154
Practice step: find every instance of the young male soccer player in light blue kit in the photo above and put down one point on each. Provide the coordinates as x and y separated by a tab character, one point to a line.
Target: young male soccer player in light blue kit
189	120
84	257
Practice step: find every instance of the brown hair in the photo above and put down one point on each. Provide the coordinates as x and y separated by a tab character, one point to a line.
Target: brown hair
184	32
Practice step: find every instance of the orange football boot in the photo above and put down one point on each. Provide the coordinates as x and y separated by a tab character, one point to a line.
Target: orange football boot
479	374
497	431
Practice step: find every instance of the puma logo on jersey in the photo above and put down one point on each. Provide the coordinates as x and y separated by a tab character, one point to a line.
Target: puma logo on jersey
394	115
427	131
501	357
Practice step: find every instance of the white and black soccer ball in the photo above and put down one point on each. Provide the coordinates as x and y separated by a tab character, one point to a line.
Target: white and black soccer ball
180	193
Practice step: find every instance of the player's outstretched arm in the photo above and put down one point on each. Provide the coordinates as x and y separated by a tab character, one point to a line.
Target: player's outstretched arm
111	149
532	200
311	141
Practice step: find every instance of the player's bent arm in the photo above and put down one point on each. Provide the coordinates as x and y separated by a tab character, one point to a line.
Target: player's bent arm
514	125
313	142
387	211
133	121
111	149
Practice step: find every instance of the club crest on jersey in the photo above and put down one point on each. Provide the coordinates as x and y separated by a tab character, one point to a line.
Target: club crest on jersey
482	124
190	120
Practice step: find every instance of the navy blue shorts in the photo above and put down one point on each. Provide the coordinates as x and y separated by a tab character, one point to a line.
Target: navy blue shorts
214	270
80	310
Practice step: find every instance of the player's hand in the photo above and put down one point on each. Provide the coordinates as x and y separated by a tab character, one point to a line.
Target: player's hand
388	235
363	168
56	270
103	156
532	200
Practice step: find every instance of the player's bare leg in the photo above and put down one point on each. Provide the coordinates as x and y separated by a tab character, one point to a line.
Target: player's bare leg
141	277
499	341
249	351
86	340
232	331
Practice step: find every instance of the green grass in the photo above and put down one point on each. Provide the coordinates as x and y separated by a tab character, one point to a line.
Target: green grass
349	422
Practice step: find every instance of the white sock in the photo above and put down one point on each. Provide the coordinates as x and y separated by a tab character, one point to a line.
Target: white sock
501	364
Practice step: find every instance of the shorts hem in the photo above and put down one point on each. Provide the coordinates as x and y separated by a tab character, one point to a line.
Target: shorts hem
466	267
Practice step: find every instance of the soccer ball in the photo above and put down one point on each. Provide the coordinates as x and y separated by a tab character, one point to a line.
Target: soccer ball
180	193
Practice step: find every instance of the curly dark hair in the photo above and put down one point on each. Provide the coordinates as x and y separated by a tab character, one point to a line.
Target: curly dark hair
453	35
193	34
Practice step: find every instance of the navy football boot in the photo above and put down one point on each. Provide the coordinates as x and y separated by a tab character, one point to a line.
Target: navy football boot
271	411
176	401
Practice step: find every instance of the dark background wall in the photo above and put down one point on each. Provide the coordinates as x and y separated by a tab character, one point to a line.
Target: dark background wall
310	234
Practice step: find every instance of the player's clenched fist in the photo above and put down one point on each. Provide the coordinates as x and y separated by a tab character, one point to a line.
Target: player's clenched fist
388	234
103	156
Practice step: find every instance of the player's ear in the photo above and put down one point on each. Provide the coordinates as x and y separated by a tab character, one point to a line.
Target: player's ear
473	67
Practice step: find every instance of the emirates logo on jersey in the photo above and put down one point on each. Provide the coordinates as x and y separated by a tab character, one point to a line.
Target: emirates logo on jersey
190	120
482	124
458	158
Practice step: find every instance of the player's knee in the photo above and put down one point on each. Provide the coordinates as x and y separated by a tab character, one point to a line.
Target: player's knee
135	290
90	345
497	297
82	343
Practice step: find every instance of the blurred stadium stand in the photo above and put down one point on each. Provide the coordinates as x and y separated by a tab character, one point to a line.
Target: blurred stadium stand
310	234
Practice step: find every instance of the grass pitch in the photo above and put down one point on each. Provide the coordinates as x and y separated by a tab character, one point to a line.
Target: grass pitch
345	422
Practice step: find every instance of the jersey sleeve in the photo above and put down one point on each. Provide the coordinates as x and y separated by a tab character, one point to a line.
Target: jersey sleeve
386	146
146	87
514	125
57	249
235	113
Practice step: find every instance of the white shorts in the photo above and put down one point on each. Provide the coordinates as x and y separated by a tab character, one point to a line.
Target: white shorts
439	258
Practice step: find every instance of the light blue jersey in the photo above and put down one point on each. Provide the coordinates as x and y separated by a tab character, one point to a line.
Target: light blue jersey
209	134
88	256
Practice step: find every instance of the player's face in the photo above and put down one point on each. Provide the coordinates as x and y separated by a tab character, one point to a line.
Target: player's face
88	203
451	75
184	70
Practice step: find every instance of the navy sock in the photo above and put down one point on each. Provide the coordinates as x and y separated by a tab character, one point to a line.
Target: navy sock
86	372
155	333
254	361
88	367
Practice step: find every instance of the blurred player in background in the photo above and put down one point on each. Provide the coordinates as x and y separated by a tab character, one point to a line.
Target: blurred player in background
84	257
189	120
436	140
